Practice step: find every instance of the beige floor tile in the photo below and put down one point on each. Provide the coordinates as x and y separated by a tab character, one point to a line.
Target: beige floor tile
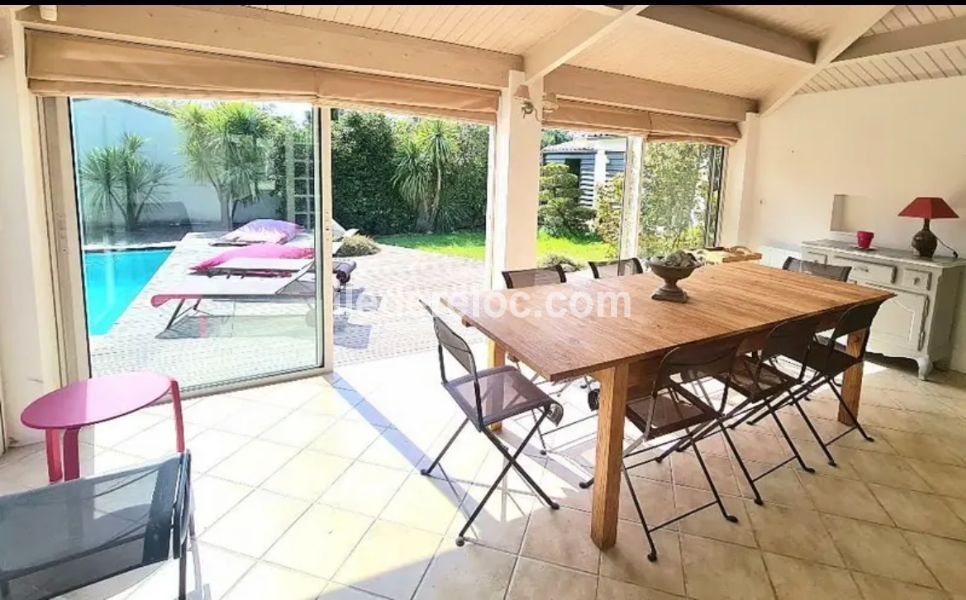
716	570
779	487
759	447
709	522
213	410
814	457
111	433
338	591
269	581
307	476
256	523
393	449
425	503
299	428
941	426
948	480
211	447
158	440
875	467
291	394
535	579
503	521
846	498
957	505
213	497
926	513
472	572
687	471
331	401
379	483
253	420
793	532
656	498
796	579
220	569
880	443
612	589
945	558
320	540
348	439
390	560
627	560
877	550
561	537
891	418
881	588
922	447
254	462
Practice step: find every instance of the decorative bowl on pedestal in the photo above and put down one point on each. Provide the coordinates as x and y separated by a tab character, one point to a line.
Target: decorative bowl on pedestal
673	268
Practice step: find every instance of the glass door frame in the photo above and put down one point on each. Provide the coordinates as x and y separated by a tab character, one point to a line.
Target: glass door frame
66	251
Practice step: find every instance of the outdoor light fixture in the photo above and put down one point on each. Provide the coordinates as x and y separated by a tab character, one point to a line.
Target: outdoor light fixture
547	106
928	208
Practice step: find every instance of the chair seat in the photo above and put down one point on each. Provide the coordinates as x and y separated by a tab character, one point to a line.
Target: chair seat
61	537
672	413
771	381
506	393
831	363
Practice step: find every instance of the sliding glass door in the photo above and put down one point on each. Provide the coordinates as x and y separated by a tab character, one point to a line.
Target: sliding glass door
199	247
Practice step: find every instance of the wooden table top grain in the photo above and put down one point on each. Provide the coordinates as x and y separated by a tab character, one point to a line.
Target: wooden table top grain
726	300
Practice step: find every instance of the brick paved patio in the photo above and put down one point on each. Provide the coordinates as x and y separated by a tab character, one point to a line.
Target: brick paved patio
377	316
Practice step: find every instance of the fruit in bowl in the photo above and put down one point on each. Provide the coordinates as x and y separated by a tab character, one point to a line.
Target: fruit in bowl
672	268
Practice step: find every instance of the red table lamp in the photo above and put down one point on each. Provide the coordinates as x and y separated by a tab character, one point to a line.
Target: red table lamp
927	208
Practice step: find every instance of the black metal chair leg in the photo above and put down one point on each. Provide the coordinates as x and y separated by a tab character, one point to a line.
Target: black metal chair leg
791	444
543	443
818	438
652	555
430	468
741	464
511	462
183	573
855	421
516	466
714	489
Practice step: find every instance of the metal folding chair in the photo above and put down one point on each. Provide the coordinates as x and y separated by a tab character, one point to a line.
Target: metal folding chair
818	269
671	409
603	269
490	396
523	278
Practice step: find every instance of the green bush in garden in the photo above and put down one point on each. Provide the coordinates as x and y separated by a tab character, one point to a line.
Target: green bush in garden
552	260
561	213
357	245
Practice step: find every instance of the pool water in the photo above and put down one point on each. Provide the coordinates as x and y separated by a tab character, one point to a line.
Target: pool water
113	279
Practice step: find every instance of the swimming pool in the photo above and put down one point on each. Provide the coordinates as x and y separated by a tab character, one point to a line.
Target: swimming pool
113	279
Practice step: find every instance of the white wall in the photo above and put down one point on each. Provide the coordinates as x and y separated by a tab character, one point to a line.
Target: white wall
883	146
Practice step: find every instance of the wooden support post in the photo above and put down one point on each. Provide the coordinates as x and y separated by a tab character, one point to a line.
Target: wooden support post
496	357
610	452
852	380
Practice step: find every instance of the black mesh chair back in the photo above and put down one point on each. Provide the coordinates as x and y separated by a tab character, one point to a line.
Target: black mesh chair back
691	363
818	269
524	278
616	268
791	339
855	319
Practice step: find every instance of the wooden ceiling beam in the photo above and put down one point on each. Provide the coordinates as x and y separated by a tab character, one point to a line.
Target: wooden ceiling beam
855	22
573	39
911	39
261	34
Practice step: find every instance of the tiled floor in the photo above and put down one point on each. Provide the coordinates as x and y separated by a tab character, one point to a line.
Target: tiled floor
312	489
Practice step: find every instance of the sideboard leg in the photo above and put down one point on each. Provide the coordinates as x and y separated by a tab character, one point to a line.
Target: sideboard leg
925	367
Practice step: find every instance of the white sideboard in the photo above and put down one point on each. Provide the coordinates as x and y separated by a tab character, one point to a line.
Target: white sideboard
918	322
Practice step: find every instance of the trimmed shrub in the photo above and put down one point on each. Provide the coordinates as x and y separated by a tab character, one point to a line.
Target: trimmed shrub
357	245
561	214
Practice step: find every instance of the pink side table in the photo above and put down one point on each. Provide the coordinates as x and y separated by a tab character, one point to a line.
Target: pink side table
94	401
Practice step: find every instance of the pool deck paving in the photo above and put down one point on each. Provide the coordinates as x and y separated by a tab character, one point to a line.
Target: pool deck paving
376	316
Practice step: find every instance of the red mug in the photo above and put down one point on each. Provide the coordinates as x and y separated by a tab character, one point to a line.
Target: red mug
864	239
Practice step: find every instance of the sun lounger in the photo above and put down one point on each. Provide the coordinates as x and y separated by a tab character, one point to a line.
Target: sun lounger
278	267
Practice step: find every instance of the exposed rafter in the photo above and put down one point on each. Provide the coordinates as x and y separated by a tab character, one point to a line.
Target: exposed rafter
266	35
920	37
857	21
721	29
572	40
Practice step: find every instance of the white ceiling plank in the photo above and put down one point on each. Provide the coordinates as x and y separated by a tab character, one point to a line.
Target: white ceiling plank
939	34
852	25
732	31
570	41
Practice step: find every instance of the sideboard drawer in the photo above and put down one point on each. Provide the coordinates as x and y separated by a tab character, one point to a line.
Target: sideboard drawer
817	257
867	271
915	279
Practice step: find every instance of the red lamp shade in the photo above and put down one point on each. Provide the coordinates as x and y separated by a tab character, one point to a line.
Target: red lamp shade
929	208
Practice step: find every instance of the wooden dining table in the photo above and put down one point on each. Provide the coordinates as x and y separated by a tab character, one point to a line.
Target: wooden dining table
612	330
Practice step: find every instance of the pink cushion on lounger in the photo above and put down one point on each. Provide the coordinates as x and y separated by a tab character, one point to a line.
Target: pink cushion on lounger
269	231
257	251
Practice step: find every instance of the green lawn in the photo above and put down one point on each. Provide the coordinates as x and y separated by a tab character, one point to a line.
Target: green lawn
469	244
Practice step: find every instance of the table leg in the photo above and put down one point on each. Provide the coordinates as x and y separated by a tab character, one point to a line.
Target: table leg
71	454
610	451
55	468
496	357
852	380
178	420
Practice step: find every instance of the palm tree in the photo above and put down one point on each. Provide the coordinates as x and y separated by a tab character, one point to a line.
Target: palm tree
227	145
119	177
421	163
